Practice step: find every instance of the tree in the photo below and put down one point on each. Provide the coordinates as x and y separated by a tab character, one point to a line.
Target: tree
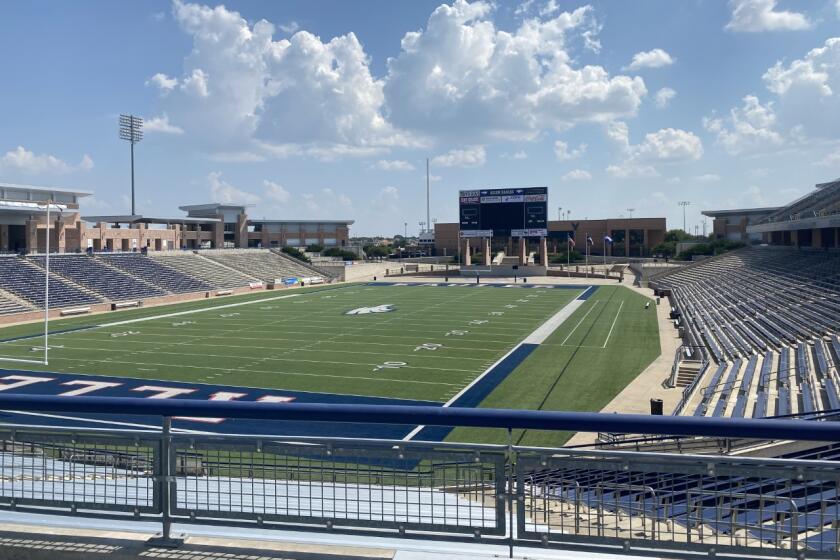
336	252
296	254
314	248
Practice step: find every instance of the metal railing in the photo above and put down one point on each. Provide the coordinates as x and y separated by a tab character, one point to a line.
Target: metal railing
613	501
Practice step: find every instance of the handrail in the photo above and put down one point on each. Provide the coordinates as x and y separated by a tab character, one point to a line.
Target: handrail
435	416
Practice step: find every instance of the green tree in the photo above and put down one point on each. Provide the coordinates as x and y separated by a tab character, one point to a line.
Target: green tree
296	254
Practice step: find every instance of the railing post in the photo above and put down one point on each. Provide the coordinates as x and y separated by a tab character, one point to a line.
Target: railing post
166	473
511	474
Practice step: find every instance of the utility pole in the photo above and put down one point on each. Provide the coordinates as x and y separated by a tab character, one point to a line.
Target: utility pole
630	212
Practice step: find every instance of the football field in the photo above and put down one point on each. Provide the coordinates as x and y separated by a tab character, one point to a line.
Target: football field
560	347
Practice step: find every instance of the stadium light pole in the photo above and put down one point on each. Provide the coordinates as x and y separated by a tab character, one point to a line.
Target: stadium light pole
47	286
131	130
684	203
630	212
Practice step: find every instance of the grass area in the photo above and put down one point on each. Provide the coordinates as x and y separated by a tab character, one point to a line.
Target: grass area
434	342
582	366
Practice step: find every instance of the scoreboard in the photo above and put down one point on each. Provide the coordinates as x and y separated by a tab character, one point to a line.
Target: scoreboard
504	212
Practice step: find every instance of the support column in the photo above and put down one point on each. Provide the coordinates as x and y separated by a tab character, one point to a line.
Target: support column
522	249
626	242
488	258
816	237
467	255
219	235
543	252
4	237
60	236
32	236
241	234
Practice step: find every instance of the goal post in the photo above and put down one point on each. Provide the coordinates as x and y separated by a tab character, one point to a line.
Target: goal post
46	337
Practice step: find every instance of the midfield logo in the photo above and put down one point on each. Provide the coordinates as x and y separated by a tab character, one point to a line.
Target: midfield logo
366	310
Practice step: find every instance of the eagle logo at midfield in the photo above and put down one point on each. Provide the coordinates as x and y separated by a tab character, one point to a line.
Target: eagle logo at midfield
366	310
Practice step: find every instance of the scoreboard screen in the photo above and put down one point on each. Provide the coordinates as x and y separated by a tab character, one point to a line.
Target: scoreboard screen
504	212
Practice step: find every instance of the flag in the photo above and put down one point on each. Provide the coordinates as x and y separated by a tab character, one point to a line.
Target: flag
608	239
589	239
570	240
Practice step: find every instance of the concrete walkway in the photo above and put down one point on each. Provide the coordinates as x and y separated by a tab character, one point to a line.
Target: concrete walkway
60	538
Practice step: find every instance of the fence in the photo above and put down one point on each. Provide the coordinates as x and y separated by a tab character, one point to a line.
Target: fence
656	503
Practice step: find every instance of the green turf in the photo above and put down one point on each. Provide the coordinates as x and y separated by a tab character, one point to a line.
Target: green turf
306	342
578	368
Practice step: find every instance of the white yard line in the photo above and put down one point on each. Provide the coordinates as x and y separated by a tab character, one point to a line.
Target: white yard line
191	311
613	324
582	319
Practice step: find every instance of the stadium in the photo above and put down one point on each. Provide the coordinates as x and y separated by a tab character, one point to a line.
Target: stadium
750	333
224	336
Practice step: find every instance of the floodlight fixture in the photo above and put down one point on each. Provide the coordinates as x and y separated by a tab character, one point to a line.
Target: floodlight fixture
131	130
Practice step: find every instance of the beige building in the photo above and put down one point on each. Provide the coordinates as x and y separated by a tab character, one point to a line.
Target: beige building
23	226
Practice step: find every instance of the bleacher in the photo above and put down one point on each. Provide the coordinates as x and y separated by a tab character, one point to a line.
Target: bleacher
93	274
761	306
154	272
266	265
25	280
204	270
9	306
758	509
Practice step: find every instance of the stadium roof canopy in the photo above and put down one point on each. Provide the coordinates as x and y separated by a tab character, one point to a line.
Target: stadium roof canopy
819	208
138	219
348	222
22	200
739	212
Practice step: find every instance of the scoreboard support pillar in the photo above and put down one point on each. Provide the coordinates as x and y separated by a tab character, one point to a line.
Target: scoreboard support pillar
488	258
523	257
467	252
543	251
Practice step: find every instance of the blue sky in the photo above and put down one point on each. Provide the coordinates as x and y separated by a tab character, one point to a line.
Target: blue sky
328	109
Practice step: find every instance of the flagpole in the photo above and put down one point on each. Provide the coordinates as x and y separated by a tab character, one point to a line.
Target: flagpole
587	256
605	256
568	257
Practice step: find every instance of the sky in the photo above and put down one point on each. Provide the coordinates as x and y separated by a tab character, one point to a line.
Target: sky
328	109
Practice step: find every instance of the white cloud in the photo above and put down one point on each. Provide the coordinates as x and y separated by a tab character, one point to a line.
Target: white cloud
664	96
163	82
577	175
461	76
550	8
708	178
241	88
225	193
618	132
471	156
837	7
629	170
161	124
290	27
808	90
668	144
275	192
761	15
656	58
196	83
393	165
27	162
520	154
562	152
747	128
